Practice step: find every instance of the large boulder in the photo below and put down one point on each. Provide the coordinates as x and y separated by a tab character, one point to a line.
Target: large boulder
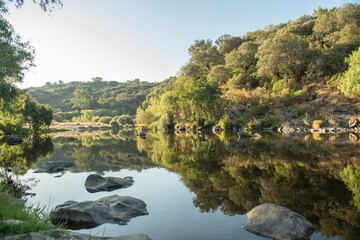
53	167
67	235
112	209
276	222
96	183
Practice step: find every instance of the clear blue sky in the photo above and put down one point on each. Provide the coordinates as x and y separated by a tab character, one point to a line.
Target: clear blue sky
146	39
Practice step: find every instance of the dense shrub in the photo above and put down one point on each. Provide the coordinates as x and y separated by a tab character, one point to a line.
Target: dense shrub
105	120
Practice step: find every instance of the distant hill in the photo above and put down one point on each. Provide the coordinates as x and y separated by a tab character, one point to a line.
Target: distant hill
118	97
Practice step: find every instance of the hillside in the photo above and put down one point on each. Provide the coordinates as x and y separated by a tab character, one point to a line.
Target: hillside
307	69
106	98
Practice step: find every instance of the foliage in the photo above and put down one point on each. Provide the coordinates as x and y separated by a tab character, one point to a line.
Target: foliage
108	98
33	219
35	114
296	111
351	177
105	120
114	124
350	82
83	96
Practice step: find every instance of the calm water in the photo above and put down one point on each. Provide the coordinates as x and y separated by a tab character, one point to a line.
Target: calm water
202	188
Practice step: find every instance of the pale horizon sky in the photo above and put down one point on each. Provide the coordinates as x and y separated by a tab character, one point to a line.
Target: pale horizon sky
147	39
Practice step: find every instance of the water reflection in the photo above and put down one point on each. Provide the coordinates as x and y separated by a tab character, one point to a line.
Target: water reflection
315	176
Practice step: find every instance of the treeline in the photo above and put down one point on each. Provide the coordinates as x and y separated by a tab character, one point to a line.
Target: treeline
253	70
81	101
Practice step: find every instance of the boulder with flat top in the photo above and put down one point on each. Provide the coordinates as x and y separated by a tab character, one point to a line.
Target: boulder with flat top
88	214
96	183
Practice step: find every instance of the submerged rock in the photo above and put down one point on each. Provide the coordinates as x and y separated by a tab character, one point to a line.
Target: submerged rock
53	167
97	183
280	223
112	209
244	134
67	235
13	139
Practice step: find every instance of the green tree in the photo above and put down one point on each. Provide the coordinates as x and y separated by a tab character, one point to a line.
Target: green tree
35	114
203	53
284	55
350	82
229	44
243	57
83	96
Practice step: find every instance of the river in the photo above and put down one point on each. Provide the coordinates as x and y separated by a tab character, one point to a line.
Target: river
201	186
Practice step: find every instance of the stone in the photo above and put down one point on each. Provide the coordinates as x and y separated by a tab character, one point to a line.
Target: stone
353	122
88	214
67	235
96	183
276	222
13	140
216	129
353	138
244	135
257	136
53	167
14	169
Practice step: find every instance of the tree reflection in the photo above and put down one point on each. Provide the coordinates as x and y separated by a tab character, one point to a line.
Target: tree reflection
318	179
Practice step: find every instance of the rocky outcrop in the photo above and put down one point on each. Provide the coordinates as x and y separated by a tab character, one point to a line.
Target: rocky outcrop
67	235
53	167
96	183
235	112
112	209
276	222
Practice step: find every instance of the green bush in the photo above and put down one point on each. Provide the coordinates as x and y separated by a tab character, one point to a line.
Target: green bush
350	82
95	119
11	127
114	124
296	111
105	120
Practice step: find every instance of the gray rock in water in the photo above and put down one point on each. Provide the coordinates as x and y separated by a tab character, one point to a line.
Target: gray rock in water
53	167
112	209
14	169
67	235
244	134
97	183
280	223
13	140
